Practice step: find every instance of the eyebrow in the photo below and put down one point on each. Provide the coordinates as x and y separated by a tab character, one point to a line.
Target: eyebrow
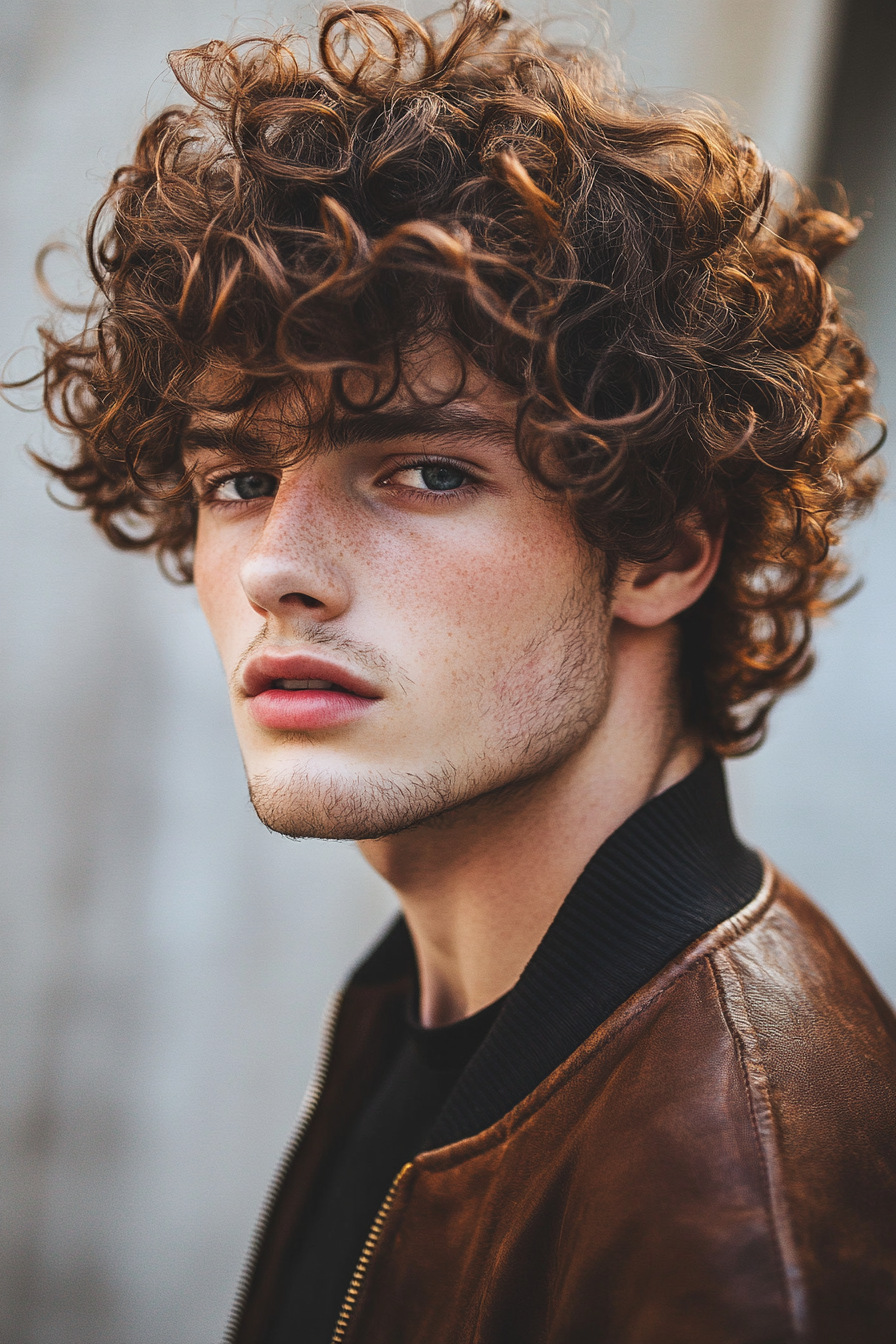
221	438
400	422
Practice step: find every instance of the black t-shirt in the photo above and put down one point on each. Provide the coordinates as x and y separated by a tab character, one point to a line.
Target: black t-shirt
389	1132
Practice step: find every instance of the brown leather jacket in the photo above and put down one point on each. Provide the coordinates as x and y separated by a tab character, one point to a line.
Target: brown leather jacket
715	1162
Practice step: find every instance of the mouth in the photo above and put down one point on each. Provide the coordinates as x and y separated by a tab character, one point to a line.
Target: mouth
308	684
303	692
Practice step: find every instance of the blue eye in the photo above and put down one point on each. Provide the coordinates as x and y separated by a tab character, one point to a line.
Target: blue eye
248	485
439	476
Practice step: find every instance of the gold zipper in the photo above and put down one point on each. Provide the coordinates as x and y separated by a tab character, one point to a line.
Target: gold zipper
309	1106
373	1237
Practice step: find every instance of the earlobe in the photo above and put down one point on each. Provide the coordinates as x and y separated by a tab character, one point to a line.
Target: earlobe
652	593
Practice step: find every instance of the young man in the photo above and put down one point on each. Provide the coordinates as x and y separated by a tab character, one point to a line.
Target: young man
507	431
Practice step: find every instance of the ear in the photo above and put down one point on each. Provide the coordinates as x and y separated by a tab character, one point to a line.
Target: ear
651	594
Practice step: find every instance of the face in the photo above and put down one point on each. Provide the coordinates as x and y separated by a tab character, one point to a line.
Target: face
407	623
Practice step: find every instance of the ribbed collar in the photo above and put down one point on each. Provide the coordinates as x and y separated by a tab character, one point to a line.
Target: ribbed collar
669	874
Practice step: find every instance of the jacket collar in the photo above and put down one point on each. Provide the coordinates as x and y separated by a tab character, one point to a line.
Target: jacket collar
670	873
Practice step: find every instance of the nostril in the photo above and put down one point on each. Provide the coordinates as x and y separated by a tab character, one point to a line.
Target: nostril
301	599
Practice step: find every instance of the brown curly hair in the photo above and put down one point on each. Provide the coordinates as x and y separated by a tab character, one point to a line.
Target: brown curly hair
621	267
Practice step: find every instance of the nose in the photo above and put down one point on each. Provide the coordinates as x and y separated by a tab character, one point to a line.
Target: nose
297	566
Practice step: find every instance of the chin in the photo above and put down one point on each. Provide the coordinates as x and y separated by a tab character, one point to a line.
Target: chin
361	808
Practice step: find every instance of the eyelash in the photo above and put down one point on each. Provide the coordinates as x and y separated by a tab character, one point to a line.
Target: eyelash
433	497
208	486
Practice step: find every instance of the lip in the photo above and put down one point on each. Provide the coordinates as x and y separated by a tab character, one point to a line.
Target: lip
271	706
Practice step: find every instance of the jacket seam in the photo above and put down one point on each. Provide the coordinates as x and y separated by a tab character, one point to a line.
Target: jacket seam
750	1064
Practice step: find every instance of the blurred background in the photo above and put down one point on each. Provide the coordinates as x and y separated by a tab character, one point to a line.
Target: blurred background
165	961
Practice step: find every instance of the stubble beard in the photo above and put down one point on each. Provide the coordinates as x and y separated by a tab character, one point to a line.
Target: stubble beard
539	727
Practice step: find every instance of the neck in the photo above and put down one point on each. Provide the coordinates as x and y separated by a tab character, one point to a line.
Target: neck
480	886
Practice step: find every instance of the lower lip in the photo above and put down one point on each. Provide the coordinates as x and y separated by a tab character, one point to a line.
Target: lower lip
301	711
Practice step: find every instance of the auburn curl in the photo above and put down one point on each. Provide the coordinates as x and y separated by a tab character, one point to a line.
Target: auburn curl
621	267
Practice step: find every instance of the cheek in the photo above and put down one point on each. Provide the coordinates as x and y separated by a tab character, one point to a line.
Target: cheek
473	605
216	574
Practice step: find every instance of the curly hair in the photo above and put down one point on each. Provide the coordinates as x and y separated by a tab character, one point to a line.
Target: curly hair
623	268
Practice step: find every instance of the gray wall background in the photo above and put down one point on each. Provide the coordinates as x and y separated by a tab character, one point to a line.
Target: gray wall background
165	961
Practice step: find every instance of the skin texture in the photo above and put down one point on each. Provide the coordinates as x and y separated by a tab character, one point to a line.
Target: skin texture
516	712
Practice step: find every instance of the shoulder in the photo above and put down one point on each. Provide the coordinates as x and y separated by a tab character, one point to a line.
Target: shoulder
761	1067
816	1046
788	967
815	1039
739	1113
